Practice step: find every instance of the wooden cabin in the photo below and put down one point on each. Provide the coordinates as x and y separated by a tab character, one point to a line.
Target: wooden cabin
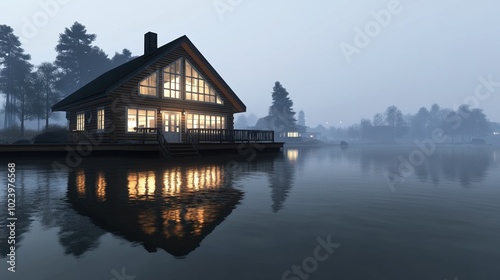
171	90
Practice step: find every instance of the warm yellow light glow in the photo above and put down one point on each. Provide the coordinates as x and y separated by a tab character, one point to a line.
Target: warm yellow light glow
147	221
172	181
292	154
100	186
141	185
80	183
203	178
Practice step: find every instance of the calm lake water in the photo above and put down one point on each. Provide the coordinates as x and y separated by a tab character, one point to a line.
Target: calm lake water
306	213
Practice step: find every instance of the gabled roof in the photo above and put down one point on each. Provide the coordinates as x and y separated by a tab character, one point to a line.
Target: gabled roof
108	81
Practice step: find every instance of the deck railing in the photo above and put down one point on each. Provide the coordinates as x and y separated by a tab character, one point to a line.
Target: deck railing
228	135
162	142
164	146
146	131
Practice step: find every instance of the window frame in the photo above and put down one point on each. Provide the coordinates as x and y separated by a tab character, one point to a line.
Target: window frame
205	114
139	86
181	82
137	118
80	123
207	84
99	120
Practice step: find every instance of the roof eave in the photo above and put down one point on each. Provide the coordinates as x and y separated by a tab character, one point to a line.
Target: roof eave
65	107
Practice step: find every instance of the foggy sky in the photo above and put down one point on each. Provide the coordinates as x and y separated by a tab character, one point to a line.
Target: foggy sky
428	52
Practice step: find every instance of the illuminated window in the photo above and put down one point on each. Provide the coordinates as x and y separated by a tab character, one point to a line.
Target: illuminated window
293	134
172	80
198	89
205	121
140	118
148	85
80	121
100	119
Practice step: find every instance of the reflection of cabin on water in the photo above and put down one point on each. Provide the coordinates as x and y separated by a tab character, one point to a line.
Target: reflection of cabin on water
172	207
171	92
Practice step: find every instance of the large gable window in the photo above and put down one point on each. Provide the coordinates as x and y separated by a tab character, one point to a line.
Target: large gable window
148	86
198	89
172	80
140	118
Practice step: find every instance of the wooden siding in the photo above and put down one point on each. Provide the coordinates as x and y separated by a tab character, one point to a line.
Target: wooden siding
91	126
127	96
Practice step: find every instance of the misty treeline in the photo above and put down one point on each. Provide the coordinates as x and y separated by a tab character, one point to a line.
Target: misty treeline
458	125
30	90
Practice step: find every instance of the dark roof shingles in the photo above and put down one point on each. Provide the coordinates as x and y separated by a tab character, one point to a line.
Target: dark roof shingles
97	87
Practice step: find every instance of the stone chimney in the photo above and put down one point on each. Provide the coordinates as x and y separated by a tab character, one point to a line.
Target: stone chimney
150	43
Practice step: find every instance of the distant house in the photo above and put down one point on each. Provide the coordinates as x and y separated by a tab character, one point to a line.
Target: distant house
285	134
170	89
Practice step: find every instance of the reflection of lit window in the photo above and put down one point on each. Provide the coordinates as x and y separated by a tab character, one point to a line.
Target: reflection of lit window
147	221
141	185
496	133
292	154
80	183
200	178
172	225
190	220
172	181
101	186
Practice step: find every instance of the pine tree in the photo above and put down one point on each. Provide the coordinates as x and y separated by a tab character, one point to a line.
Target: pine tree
302	120
46	75
394	119
14	65
26	96
79	62
281	113
120	58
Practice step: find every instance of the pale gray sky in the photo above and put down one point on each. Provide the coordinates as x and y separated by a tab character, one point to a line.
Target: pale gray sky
428	52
